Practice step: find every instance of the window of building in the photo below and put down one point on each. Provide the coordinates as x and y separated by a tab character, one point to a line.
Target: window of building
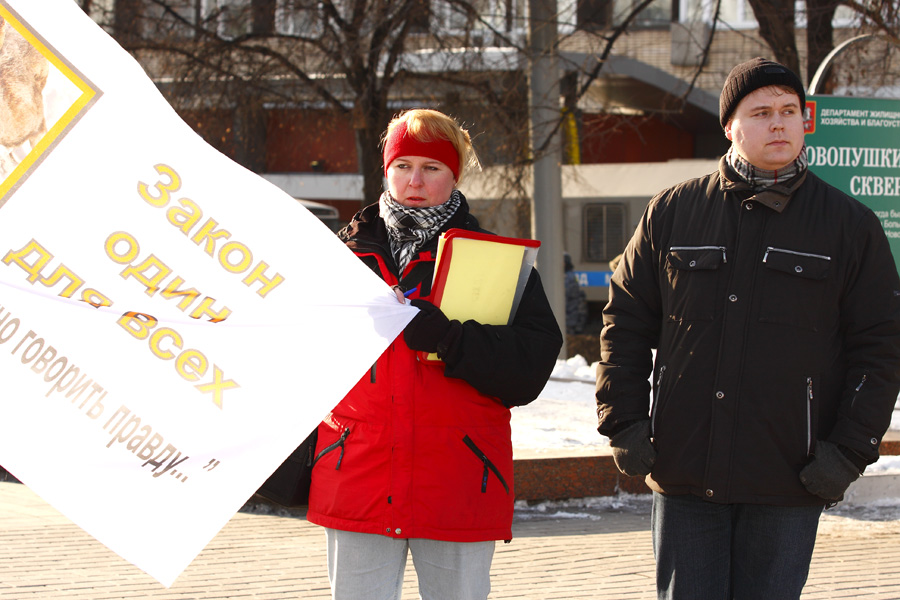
156	21
597	15
233	17
489	17
179	19
738	14
593	15
604	231
656	14
298	17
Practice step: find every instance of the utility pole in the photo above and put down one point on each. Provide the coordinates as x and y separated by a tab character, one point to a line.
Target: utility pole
546	201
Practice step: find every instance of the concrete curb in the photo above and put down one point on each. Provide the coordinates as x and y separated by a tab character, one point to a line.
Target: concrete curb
559	478
869	489
572	477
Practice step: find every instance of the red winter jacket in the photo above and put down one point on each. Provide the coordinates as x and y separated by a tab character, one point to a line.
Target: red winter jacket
417	450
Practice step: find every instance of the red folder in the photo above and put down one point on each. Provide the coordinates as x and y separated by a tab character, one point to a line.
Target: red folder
481	277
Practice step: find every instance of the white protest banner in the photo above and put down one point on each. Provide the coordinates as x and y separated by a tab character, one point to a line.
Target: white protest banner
171	325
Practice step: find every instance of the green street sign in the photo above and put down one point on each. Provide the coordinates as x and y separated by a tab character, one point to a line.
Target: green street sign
854	144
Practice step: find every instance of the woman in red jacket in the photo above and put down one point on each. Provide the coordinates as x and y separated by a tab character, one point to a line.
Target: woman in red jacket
417	458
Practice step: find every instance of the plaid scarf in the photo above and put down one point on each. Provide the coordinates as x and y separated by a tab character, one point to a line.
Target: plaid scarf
409	228
763	178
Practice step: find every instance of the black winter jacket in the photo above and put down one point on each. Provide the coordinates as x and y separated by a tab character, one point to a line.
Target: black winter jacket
777	322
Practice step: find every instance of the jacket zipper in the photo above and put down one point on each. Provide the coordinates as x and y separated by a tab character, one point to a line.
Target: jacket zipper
793	253
719	248
656	399
488	465
809	408
858	387
338	443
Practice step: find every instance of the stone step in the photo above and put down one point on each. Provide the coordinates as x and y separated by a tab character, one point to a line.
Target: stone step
561	477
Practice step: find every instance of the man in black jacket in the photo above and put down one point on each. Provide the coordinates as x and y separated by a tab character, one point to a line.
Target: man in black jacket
773	302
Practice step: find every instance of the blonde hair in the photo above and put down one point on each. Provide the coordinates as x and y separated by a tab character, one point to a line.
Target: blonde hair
427	125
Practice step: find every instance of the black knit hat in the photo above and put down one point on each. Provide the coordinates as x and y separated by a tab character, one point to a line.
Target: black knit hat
752	75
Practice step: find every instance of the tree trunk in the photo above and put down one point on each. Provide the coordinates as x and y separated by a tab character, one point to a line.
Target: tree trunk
819	38
250	133
776	26
369	124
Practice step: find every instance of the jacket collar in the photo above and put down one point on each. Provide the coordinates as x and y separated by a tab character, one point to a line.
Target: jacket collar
367	232
775	197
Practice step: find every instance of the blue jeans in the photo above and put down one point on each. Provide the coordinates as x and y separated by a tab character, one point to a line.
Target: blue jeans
707	551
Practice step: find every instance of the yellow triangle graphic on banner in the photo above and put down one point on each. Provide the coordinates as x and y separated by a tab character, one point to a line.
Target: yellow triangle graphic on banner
42	96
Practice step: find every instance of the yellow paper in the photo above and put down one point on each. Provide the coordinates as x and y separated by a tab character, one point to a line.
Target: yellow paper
485	279
481	283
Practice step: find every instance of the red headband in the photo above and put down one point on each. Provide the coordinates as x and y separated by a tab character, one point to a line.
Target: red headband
400	143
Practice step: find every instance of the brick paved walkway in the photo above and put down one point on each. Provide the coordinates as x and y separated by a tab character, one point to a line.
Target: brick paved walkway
605	554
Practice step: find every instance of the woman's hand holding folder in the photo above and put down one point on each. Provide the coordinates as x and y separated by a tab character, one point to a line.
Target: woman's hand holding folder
431	330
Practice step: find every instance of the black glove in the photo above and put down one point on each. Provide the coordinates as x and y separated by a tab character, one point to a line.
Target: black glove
830	473
632	450
430	330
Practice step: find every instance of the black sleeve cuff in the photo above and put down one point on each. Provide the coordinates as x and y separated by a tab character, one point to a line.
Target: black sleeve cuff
448	349
858	460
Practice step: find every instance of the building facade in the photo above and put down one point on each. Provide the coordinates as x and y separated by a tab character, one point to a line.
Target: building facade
643	118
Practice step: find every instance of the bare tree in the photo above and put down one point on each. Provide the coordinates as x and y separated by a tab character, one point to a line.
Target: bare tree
776	20
879	16
819	33
776	26
362	59
358	58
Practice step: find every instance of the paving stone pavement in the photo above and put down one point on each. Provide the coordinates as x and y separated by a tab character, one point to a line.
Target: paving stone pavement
265	554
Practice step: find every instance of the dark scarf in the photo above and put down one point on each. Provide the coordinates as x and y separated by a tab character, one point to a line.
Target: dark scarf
762	178
409	228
